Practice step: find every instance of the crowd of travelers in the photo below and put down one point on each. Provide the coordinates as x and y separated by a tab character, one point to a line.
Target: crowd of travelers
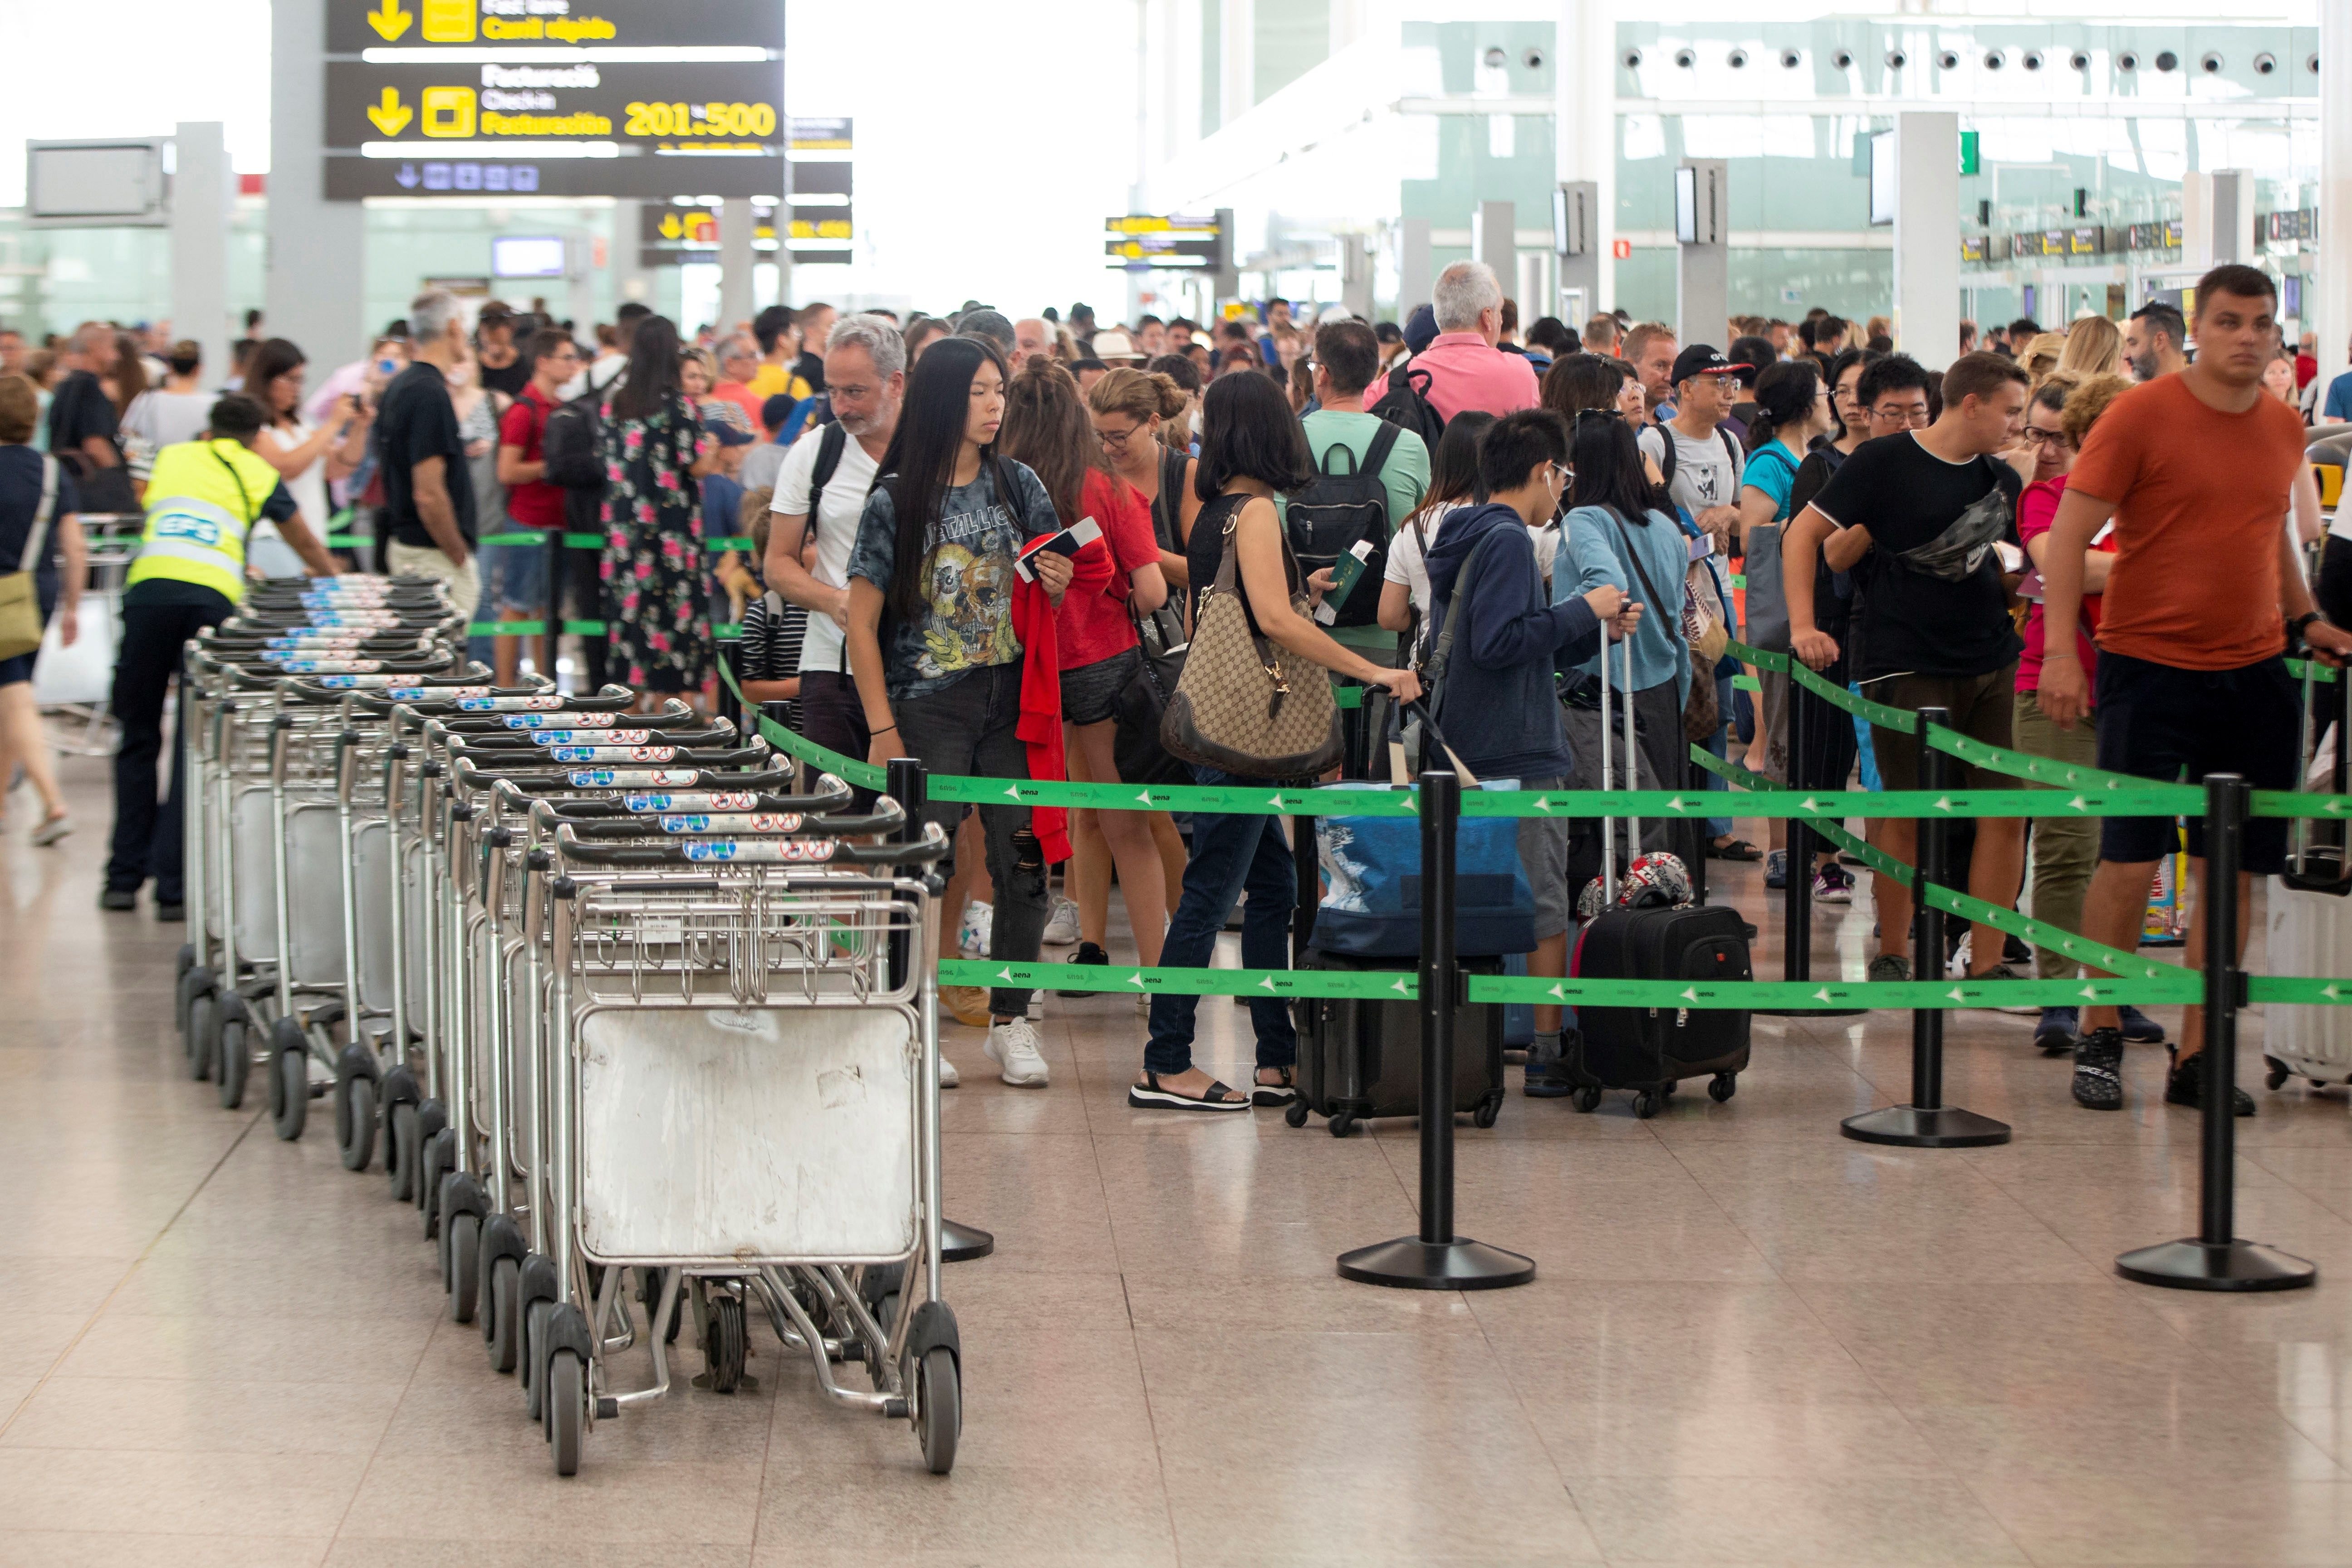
2084	543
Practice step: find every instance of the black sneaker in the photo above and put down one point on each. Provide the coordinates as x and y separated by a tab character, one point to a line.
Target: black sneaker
2098	1080
171	913
2185	1085
2055	1033
119	899
2139	1028
1087	954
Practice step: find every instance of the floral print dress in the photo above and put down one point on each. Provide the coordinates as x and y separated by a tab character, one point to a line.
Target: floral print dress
656	595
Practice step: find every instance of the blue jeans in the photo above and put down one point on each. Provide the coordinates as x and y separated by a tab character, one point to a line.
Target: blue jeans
1230	855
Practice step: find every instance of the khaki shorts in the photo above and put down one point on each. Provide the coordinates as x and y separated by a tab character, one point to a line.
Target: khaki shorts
465	582
1980	707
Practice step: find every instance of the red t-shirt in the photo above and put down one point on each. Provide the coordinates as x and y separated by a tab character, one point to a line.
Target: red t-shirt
1093	623
2037	508
537	504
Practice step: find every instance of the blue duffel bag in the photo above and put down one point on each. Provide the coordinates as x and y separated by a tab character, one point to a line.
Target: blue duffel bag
1372	873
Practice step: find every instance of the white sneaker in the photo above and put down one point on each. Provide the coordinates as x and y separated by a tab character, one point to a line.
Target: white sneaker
1013	1047
1062	925
978	921
949	1076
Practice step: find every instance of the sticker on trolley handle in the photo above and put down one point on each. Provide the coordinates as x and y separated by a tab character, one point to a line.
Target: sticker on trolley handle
710	800
478	699
765	850
554	720
629	778
732	822
324	666
595	738
464	696
611	754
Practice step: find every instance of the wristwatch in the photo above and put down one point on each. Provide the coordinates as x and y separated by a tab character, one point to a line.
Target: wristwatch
2296	627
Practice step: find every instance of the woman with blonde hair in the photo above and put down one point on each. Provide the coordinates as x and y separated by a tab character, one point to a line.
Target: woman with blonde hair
2095	346
2041	356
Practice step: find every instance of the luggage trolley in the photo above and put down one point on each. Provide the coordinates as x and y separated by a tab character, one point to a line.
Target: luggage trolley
743	1053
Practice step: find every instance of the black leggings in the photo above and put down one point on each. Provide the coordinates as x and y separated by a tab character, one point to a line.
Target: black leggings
146	843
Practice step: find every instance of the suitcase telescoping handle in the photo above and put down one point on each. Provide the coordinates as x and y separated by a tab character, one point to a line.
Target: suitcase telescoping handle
2325	876
1609	775
1399	774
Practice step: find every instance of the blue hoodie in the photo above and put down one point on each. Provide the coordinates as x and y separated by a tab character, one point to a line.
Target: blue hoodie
1499	708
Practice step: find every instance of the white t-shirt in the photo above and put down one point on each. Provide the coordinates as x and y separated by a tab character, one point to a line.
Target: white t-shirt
839	511
1706	470
168	418
1407	566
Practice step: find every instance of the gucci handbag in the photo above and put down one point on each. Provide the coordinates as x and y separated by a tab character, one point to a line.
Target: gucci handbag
1246	705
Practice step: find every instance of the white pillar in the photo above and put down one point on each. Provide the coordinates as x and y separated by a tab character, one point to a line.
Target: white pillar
1578	296
734	264
1356	274
1584	131
2330	306
1702	263
1417	269
1495	240
201	189
314	288
1928	236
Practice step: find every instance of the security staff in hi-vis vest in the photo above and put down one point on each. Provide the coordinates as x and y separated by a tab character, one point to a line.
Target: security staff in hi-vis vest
203	497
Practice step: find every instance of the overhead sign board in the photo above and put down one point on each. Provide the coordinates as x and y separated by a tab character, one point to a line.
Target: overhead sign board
618	97
1142	242
670	236
2165	236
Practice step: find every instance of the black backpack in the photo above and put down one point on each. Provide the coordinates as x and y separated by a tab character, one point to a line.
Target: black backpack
1336	510
568	445
1406	405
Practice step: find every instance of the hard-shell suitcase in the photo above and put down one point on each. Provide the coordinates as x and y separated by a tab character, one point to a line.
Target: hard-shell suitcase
2310	917
1360	1058
1650	1049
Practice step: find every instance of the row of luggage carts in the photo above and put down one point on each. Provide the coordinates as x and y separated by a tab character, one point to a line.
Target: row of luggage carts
641	1015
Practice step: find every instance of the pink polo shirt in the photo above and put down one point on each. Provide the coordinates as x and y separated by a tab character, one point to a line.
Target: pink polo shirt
1463	373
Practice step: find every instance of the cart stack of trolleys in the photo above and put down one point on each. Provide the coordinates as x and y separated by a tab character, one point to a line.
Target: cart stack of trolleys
741	1047
237	980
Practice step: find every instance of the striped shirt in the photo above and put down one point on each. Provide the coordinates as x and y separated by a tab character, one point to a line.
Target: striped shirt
771	645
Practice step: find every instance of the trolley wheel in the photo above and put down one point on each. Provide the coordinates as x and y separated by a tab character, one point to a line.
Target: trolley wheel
567	1409
1342	1123
2275	1072
400	1150
939	1408
1488	1108
289	1079
185	987
465	1265
185	961
1722	1087
354	1116
499	1331
723	1348
534	1385
439	1159
1648	1103
1295	1113
231	1061
1587	1099
204	1031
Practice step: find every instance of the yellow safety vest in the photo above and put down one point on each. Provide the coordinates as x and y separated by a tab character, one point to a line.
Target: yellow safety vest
202	498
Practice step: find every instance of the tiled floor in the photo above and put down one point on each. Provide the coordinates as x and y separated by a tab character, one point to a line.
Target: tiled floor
1750	1342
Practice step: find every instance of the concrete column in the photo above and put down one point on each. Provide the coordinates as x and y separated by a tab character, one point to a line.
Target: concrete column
201	189
1578	298
2330	302
1356	274
2233	215
1584	133
1702	263
1416	271
625	259
735	254
1495	240
314	287
1928	236
2196	219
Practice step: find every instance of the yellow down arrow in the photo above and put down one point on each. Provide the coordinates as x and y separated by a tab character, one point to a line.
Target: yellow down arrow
389	115
389	21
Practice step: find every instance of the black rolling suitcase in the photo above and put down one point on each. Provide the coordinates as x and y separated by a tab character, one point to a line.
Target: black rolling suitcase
1650	1049
1360	1058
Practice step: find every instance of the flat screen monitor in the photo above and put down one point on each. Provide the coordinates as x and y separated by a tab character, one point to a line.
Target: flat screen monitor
1882	178
527	255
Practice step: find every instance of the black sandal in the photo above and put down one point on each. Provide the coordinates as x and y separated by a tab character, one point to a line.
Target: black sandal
1149	1095
1281	1093
1738	849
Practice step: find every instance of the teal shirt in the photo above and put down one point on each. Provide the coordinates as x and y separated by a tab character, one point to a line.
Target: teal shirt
1405	476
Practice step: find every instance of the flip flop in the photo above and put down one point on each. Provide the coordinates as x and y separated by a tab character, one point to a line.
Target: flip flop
1149	1096
1738	849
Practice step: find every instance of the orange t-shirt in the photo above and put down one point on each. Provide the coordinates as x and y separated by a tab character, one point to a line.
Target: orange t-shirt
2202	502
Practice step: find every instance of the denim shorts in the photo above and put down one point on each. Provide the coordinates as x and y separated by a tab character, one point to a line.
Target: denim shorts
514	576
1090	693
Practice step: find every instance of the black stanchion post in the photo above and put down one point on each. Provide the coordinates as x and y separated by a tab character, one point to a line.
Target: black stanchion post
1436	1260
1927	1123
1305	863
554	632
908	784
1796	959
2215	1259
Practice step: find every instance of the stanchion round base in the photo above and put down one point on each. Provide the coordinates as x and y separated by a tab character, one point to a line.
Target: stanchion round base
1947	1127
962	1243
2192	1265
1410	1263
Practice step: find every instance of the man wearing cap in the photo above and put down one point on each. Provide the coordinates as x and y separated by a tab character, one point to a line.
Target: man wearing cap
1465	369
1701	459
1116	346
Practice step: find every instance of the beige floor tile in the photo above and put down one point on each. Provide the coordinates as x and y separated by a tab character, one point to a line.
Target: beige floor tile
991	1513
1821	1439
577	1553
518	1498
2209	1439
1821	1522
2156	1520
188	1416
1278	1304
90	1549
293	1348
128	1492
1339	1514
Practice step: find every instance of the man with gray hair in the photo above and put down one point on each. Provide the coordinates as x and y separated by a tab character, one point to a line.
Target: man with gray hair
822	489
990	326
428	489
1465	369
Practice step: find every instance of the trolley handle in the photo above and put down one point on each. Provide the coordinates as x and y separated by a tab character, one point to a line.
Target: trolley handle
889	816
932	847
761	822
831	793
499	738
537	760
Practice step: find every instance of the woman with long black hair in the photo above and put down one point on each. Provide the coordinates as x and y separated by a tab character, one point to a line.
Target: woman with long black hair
955	655
657	598
1251	450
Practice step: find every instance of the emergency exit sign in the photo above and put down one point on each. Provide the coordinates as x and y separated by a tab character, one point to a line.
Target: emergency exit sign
1969	152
